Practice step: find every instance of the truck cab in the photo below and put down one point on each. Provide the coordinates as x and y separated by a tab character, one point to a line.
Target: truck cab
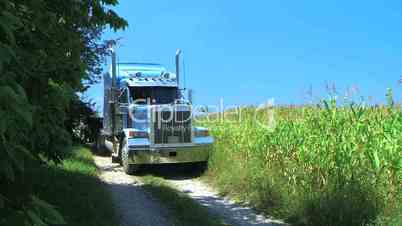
147	120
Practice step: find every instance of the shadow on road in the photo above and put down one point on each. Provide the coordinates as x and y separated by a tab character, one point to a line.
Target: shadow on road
135	200
181	171
153	204
98	152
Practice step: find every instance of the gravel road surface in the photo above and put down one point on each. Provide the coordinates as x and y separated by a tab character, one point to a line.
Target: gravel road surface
134	205
137	207
232	213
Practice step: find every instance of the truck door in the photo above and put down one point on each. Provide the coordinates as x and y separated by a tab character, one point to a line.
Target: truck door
124	103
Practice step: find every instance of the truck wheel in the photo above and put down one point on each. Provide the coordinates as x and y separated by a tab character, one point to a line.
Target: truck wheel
115	159
201	167
100	144
118	158
129	169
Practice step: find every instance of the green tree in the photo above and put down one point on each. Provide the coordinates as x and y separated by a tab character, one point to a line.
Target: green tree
83	122
49	51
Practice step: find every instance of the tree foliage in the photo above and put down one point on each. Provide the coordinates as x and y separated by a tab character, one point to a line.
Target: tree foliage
49	51
83	122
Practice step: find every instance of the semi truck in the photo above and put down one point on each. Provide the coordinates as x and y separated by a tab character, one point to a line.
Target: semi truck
147	119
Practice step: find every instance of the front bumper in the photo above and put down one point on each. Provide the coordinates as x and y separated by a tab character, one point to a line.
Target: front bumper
195	152
198	153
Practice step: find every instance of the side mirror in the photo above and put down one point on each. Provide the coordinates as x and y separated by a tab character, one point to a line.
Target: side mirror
190	96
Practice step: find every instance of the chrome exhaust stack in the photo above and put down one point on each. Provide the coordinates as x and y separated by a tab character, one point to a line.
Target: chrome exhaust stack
113	67
113	102
178	52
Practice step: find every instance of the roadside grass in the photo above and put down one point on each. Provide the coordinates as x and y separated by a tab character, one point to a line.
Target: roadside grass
320	165
184	210
74	189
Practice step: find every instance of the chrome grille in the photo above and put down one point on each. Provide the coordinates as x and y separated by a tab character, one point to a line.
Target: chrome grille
172	127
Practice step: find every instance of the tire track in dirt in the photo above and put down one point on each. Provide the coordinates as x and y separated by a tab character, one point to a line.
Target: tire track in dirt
186	179
134	205
228	210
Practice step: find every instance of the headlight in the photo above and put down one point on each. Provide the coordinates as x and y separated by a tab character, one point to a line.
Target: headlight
202	133
138	134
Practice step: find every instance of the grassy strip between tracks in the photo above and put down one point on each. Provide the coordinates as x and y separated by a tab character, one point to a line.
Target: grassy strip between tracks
185	211
75	190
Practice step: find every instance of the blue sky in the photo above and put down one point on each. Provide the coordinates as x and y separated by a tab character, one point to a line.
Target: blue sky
247	52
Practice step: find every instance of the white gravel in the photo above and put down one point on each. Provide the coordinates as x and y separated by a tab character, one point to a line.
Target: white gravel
134	206
232	213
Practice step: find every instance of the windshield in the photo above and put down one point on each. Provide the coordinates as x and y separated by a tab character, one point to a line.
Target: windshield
153	95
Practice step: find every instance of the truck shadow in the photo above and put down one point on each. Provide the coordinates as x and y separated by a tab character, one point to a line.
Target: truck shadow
181	171
103	152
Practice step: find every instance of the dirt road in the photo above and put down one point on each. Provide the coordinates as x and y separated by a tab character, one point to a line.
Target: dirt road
231	213
136	206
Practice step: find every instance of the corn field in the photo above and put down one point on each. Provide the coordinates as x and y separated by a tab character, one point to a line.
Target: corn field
327	164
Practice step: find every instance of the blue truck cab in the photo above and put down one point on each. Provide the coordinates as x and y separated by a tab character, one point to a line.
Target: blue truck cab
147	120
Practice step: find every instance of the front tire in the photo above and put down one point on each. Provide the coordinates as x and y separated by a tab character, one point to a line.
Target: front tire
115	159
100	144
128	168
200	167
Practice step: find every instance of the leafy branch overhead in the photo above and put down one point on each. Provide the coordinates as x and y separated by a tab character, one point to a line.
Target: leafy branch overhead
49	51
